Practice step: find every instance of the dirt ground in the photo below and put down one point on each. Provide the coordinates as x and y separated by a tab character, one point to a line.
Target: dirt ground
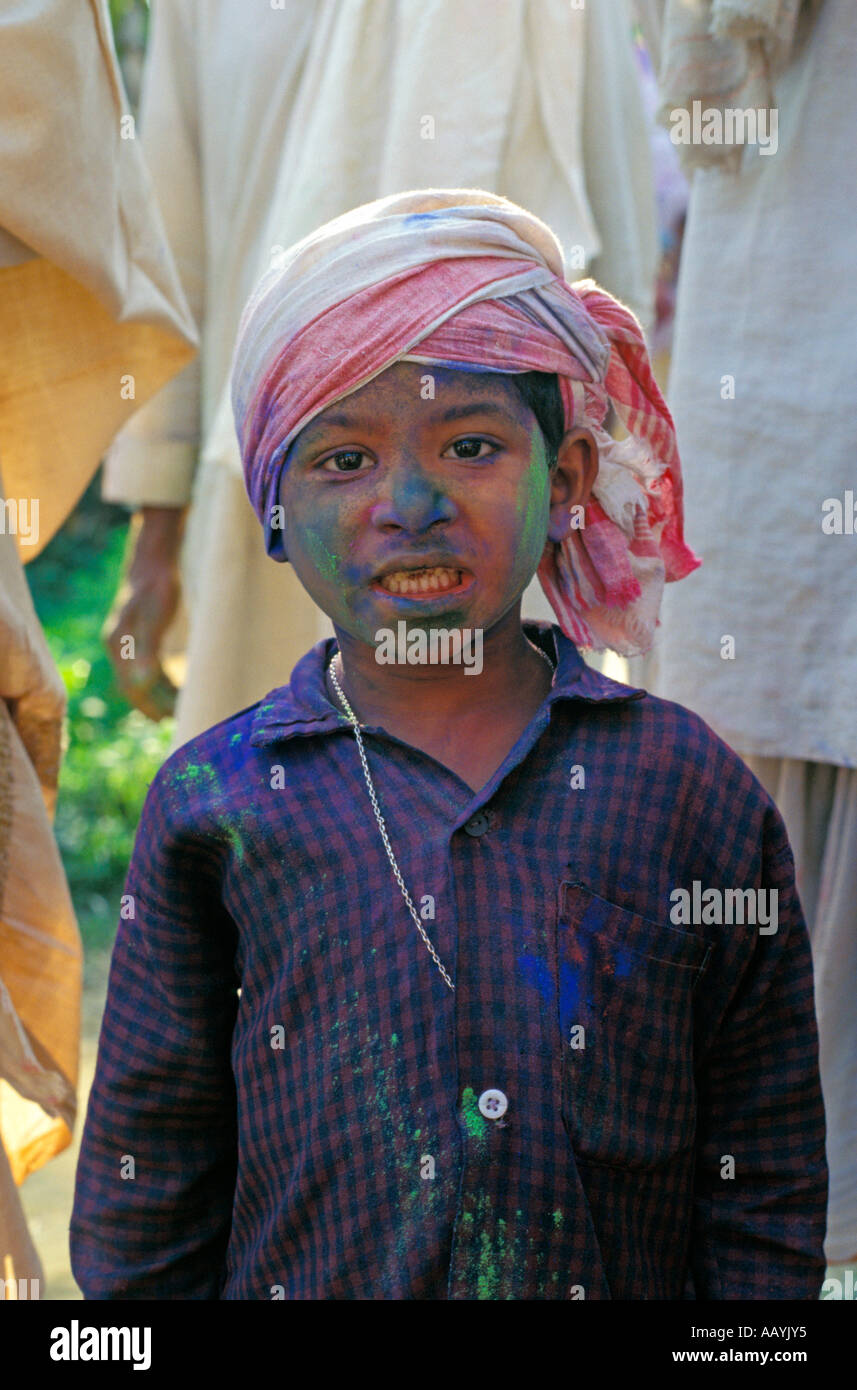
47	1195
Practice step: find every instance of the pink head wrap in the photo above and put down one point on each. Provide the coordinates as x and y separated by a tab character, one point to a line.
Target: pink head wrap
464	278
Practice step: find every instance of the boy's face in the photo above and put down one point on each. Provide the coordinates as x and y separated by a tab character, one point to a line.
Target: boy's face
435	511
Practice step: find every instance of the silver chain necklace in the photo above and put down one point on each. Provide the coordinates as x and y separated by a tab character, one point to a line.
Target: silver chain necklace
355	724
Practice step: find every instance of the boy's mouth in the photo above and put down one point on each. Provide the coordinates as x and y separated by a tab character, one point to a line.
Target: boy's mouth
435	579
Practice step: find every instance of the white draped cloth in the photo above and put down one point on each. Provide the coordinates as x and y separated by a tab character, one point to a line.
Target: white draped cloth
762	389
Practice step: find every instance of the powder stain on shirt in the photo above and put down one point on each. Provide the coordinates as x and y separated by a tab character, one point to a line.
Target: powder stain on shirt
205	779
474	1121
537	973
487	1275
234	837
417	1196
623	961
498	1257
569	996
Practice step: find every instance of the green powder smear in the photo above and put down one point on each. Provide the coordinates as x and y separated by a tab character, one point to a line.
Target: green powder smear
538	485
474	1121
326	562
533	504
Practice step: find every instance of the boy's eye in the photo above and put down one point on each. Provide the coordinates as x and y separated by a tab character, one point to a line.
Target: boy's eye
470	445
349	460
344	461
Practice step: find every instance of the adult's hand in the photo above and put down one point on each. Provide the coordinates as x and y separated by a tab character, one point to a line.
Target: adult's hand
143	609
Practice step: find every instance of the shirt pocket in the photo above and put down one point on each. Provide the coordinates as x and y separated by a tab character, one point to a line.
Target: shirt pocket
626	989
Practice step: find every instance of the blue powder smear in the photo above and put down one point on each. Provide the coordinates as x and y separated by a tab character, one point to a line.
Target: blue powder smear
623	961
425	216
536	973
569	996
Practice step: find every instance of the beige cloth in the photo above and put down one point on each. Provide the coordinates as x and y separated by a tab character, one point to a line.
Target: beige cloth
89	295
819	805
726	54
40	949
761	387
331	105
91	308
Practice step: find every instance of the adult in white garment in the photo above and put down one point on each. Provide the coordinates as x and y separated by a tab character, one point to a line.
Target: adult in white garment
256	133
762	640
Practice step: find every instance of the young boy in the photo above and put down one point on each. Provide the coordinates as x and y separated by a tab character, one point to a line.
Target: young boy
445	977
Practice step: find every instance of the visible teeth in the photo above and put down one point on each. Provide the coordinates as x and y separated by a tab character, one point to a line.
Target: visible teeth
421	581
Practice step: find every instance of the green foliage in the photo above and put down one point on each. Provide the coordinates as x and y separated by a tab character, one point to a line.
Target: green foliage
123	11
130	21
113	751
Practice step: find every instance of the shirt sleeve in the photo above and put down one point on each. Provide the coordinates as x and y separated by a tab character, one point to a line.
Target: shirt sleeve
152	461
760	1195
156	1173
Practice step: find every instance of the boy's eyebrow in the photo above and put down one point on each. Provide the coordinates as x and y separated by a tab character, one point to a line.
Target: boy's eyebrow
455	412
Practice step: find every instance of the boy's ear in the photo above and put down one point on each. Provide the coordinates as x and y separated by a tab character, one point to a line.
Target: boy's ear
573	479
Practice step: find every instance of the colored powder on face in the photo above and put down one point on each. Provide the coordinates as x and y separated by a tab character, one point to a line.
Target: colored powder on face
325	561
474	1121
533	500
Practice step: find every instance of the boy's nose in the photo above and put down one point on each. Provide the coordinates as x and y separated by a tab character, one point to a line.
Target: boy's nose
411	502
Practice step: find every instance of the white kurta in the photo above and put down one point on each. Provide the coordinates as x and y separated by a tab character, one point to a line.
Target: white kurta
768	297
256	132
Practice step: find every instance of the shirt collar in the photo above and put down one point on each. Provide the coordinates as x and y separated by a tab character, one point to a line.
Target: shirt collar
304	707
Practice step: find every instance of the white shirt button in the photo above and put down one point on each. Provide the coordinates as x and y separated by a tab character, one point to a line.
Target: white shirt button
478	824
493	1104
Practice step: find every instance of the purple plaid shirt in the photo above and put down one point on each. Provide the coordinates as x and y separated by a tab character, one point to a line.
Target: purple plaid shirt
290	1102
